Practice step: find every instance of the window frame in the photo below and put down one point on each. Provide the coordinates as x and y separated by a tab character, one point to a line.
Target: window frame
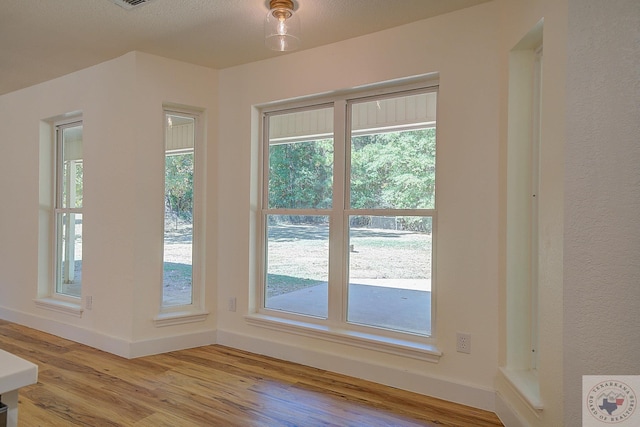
535	193
335	327
58	209
195	311
524	174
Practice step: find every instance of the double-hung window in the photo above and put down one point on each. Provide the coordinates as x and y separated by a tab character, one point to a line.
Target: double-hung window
349	213
68	210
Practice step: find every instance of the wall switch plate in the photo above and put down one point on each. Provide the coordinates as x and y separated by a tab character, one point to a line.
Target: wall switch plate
232	304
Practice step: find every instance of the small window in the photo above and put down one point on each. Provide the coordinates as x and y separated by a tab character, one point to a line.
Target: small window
180	285
69	172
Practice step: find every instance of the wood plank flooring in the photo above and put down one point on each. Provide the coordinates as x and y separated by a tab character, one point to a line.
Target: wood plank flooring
207	386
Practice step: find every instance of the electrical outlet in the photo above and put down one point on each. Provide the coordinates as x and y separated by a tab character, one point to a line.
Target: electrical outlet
232	304
88	302
463	343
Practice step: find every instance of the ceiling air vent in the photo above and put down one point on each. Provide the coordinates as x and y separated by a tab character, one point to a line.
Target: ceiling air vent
129	4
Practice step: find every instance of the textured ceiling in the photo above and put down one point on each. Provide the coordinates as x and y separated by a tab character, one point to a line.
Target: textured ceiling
44	39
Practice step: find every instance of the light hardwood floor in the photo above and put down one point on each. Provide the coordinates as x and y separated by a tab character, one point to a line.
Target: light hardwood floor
207	386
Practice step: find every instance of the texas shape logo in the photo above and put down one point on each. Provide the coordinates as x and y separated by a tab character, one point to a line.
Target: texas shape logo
611	401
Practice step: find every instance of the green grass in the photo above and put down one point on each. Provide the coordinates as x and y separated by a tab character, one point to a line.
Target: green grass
278	284
177	275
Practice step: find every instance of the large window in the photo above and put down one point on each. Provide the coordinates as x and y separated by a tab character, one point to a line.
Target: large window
68	210
179	280
349	212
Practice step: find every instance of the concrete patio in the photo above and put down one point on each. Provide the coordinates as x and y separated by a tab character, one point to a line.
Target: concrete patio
378	305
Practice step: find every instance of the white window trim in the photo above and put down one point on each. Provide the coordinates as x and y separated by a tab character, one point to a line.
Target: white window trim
58	209
399	347
47	296
179	317
522	337
59	306
526	385
194	312
535	190
56	301
335	328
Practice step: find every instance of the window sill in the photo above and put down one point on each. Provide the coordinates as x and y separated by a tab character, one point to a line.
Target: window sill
406	348
526	385
179	318
64	307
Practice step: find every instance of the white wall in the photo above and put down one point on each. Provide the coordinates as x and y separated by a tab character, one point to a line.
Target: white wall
121	103
518	19
589	292
602	203
463	48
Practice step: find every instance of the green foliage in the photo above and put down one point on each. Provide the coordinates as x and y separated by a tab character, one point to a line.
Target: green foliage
78	183
394	170
179	185
300	175
73	170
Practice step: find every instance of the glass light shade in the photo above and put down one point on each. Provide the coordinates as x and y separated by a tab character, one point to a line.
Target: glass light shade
282	30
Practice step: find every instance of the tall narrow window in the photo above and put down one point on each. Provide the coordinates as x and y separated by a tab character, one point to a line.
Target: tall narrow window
178	277
349	212
68	210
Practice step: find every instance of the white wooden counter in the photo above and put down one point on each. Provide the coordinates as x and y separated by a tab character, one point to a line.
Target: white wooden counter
14	373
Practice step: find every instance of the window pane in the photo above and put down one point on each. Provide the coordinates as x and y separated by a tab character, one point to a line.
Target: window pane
393	149
178	221
390	272
297	264
71	167
301	159
69	269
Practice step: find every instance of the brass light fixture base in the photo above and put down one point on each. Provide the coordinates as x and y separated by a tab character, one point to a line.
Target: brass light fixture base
279	4
282	8
282	26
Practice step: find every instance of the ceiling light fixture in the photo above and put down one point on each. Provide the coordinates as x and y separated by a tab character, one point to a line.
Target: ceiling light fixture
129	4
281	26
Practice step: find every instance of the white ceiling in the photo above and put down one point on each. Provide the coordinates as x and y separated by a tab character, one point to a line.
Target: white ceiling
44	39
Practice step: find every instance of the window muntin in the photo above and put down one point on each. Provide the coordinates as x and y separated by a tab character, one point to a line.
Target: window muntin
178	248
389	175
69	178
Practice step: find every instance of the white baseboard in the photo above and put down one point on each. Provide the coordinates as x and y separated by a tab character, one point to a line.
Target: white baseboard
115	345
465	394
110	344
507	415
392	376
172	343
